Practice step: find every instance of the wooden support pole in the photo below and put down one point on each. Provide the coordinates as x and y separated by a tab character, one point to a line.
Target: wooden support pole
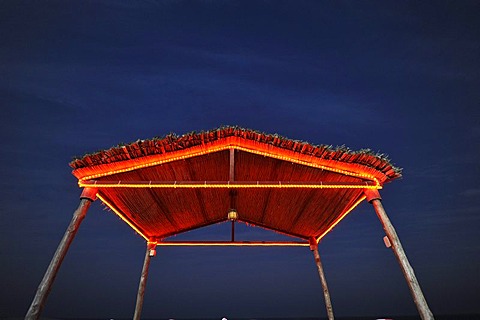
143	279
323	280
87	197
373	196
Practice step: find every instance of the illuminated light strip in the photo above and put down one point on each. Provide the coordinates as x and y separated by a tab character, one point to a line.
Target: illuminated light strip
341	218
233	244
121	216
310	164
230	146
207	185
155	163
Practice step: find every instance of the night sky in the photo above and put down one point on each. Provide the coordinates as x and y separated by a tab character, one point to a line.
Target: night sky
401	78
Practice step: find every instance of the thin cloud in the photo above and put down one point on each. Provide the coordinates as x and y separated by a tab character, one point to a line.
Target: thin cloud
471	193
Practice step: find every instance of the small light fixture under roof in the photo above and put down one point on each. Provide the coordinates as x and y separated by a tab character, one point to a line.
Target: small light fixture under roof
232	215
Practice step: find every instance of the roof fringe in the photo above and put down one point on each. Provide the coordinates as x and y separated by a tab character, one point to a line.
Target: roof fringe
172	142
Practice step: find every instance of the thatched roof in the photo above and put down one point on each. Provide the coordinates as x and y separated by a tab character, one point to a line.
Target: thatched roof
169	185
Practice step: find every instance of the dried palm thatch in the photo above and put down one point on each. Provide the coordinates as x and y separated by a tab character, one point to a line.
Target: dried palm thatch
195	158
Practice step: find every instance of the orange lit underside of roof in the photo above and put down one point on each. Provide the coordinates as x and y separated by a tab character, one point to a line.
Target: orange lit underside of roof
289	192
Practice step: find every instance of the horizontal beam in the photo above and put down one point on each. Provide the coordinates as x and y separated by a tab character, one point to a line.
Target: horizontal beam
233	243
231	184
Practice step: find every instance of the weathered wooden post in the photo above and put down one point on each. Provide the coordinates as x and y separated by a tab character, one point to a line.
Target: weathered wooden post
373	196
323	280
143	279
87	197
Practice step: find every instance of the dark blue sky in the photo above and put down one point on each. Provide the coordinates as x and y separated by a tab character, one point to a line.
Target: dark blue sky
397	77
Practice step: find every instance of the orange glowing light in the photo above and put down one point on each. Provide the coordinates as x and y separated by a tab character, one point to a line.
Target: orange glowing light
340	218
227	185
149	162
111	207
103	170
233	244
308	163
